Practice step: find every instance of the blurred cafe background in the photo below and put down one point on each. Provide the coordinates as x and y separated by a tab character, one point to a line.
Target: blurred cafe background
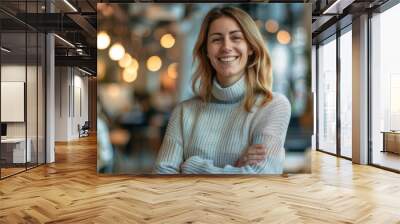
144	64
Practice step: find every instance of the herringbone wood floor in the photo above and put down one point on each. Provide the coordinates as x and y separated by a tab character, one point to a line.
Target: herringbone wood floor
70	191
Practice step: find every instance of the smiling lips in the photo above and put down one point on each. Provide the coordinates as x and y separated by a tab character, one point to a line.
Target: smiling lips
227	59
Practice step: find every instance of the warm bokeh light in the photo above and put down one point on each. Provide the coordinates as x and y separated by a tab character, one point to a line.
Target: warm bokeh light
271	26
154	63
172	71
103	40
117	51
125	61
134	64
129	75
113	90
167	82
131	69
119	136
283	37
167	41
101	69
105	9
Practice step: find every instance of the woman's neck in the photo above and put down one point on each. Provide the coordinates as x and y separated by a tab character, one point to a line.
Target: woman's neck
228	81
233	92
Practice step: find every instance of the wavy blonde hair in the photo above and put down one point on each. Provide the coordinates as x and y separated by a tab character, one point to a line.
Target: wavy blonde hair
258	73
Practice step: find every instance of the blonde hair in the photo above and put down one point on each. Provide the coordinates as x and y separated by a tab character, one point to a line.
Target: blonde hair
258	73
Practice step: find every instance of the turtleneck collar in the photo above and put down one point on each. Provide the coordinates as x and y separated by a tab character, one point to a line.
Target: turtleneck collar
232	93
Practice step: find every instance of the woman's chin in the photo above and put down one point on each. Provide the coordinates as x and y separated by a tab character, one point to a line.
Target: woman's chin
231	76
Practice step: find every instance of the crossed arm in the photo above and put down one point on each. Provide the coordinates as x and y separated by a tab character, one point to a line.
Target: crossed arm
265	155
256	160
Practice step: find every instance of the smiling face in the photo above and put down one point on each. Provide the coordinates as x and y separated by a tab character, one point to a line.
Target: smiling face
228	50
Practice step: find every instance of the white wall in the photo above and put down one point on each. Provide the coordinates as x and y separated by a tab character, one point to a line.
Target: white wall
71	94
14	73
61	103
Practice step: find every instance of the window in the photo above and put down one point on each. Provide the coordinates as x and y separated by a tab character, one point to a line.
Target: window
346	94
385	89
327	97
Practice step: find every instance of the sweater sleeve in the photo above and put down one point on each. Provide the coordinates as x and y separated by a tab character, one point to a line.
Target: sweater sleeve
198	165
270	129
170	155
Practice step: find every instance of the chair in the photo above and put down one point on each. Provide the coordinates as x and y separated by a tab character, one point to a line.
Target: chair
84	130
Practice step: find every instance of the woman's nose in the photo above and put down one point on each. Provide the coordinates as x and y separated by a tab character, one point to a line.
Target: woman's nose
227	45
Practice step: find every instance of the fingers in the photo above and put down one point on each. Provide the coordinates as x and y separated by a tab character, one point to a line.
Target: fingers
252	160
259	145
254	163
255	157
257	150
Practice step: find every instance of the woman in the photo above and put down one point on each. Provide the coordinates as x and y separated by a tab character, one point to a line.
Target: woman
236	124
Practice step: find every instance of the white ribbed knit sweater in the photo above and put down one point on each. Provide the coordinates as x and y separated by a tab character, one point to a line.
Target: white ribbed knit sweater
208	138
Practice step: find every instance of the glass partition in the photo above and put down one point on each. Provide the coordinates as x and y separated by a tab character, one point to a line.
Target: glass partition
22	89
13	108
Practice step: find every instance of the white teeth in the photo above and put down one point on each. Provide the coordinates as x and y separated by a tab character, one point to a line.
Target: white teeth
227	59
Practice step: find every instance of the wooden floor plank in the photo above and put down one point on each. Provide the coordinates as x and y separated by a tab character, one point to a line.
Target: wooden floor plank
70	191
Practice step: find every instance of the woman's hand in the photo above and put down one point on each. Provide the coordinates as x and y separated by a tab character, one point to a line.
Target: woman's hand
254	155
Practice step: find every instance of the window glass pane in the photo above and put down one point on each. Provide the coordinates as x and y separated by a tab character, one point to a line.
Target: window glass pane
31	97
346	94
386	89
327	97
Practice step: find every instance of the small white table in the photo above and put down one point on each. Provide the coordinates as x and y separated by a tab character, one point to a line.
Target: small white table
19	149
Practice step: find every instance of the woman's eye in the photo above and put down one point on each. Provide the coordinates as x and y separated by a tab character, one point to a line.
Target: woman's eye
236	38
216	40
